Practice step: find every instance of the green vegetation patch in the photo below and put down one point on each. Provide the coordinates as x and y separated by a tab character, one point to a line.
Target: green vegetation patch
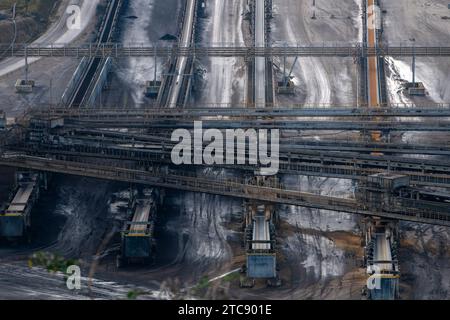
231	277
38	8
134	294
202	284
51	262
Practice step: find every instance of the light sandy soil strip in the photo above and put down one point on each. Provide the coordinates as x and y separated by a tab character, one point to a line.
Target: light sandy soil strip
58	33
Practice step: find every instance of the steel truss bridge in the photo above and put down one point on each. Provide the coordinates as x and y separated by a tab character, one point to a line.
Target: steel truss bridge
118	50
242	112
290	144
280	124
344	165
398	208
81	134
84	155
387	119
138	158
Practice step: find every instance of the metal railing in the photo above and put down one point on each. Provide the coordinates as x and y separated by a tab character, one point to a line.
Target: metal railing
239	188
119	50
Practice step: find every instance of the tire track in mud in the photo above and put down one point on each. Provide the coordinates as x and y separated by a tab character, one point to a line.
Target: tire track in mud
223	80
203	244
424	261
310	71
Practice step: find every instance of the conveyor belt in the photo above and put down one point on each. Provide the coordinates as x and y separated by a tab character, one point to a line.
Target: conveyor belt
260	62
261	232
240	112
279	124
382	252
141	215
96	63
182	61
349	165
21	198
372	61
373	74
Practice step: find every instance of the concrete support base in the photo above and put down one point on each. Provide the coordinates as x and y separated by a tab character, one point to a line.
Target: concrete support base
24	86
416	89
